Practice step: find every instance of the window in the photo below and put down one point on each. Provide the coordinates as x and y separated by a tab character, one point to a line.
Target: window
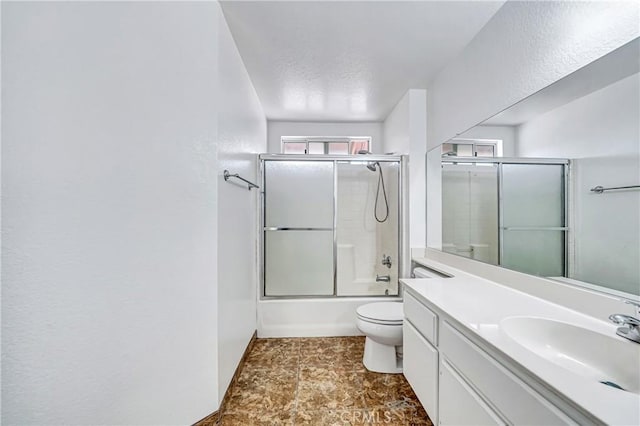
472	148
325	145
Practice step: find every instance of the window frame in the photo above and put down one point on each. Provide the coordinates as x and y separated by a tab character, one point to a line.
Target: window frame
326	140
496	143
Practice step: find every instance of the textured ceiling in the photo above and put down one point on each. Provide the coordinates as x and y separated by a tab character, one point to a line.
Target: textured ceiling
348	61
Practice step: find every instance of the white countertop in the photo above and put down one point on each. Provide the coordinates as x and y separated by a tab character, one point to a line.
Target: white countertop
479	305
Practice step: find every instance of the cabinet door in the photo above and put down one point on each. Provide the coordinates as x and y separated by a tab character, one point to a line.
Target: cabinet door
515	400
459	404
420	367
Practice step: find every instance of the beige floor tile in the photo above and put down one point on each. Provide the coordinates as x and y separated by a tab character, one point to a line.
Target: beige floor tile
253	375
388	390
328	388
318	381
338	353
256	419
262	396
331	418
269	353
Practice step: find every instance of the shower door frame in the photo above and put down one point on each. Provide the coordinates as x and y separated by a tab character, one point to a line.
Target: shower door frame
404	263
566	220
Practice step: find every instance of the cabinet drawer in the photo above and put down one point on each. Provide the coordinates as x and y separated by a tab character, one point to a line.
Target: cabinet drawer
421	317
459	404
509	395
420	368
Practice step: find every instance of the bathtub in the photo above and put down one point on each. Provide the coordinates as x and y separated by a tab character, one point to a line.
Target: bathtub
312	317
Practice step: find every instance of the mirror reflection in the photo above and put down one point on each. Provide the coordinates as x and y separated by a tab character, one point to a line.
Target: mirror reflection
508	212
521	190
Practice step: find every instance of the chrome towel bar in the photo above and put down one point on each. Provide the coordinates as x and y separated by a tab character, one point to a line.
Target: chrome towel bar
600	189
228	175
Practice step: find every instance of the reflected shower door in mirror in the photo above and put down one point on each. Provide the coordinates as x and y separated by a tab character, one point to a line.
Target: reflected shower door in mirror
331	225
470	210
582	236
532	218
506	212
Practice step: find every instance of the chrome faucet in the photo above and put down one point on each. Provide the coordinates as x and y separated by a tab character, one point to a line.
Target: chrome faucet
383	278
630	326
386	261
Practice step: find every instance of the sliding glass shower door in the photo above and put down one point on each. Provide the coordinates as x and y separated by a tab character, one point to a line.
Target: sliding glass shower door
298	225
331	226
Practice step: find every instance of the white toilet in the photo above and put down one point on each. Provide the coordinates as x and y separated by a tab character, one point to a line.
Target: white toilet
381	322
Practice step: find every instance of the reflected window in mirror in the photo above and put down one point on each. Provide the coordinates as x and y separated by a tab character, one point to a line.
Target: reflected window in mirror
485	151
459	147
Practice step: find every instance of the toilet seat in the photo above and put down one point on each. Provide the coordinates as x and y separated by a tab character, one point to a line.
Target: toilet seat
383	313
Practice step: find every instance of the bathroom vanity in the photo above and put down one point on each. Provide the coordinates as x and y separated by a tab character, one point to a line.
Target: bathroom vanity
477	352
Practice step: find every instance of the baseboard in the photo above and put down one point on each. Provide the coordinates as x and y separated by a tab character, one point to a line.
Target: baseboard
236	374
214	418
210	420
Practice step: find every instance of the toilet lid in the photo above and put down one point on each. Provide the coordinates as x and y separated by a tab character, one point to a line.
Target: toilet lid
382	311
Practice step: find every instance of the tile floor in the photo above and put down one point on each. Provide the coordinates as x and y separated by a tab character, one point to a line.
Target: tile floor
317	381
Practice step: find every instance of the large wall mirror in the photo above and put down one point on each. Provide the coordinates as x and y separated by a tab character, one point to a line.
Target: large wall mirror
550	186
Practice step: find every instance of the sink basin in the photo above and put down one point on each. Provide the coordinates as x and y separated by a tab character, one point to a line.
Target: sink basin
606	359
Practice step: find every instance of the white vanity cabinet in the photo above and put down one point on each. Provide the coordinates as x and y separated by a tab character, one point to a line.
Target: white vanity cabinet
459	383
420	356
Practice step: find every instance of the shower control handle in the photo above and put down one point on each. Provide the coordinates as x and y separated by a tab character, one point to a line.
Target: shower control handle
386	261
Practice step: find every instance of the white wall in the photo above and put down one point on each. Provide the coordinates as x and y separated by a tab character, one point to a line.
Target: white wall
405	132
525	47
242	131
112	200
601	133
396	126
277	129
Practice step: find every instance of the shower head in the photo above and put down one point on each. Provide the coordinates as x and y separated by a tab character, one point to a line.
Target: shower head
371	166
